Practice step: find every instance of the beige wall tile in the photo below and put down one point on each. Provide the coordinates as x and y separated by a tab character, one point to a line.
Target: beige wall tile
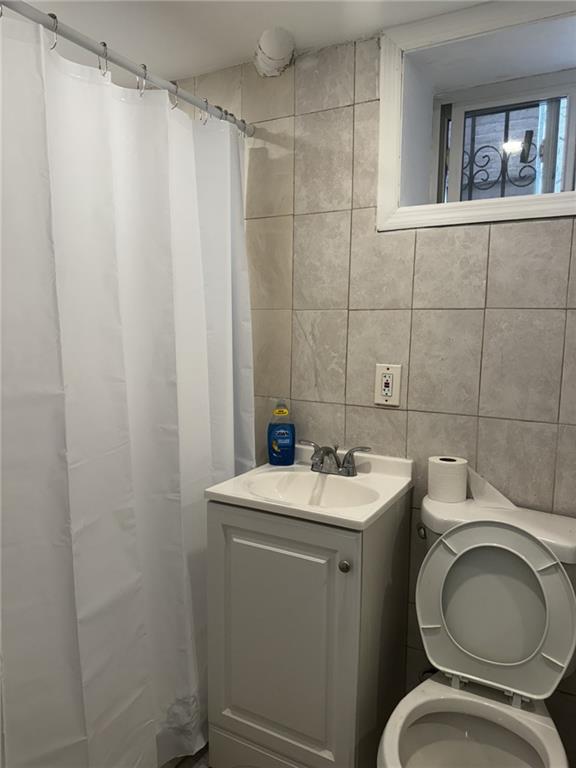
321	422
321	260
445	360
269	247
222	88
565	487
572	282
266	98
434	434
271	339
450	267
367	70
376	336
325	79
319	355
529	263
568	398
382	265
323	162
365	154
270	169
517	457
382	430
522	363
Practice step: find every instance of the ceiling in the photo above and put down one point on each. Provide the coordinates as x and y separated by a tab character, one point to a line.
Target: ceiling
179	39
529	49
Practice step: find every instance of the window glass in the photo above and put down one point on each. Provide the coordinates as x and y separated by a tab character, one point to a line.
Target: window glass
512	150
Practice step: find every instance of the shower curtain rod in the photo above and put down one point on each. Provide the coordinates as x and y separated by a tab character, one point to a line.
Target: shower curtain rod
52	23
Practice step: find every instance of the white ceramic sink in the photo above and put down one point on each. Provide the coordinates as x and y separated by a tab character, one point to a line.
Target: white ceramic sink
302	486
296	491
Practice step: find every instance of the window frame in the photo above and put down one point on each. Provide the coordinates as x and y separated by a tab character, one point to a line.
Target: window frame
394	44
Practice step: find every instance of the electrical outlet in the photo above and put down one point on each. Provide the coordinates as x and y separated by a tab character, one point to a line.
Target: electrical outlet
387	383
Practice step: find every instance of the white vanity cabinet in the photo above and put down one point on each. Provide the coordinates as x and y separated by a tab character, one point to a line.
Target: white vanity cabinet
306	637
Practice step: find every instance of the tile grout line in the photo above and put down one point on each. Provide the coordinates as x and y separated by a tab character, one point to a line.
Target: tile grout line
292	316
458	414
566	310
314	213
571	264
555	468
414	249
341	106
487	274
350	246
420	309
563	362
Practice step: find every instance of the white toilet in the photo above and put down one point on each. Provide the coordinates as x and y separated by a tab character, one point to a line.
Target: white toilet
497	615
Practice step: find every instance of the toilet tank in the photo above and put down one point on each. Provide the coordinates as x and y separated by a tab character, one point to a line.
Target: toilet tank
557	531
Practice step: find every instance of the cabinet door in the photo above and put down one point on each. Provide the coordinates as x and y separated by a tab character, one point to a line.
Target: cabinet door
283	633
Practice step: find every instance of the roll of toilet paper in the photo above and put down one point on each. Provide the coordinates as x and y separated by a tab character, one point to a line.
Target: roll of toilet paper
447	478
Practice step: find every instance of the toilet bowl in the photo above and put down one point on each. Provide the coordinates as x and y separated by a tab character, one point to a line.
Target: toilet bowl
497	615
436	726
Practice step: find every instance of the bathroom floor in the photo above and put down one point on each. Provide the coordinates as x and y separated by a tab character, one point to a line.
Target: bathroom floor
194	762
197	761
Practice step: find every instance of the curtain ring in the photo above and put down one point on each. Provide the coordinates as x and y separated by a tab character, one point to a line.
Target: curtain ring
204	118
103	70
55	30
141	81
174	82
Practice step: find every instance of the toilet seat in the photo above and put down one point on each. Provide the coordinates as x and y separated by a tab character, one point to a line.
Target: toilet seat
496	606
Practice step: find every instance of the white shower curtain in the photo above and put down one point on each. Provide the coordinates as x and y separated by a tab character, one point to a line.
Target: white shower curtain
126	390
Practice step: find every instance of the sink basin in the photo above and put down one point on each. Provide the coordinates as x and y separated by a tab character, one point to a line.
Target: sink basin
296	491
311	489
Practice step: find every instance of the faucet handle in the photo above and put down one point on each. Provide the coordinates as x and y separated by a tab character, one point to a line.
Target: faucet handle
311	443
316	453
348	459
317	448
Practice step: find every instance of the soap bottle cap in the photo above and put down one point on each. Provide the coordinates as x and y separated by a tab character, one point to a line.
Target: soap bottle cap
281	409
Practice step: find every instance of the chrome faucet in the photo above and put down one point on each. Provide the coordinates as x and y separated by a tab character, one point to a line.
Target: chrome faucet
325	459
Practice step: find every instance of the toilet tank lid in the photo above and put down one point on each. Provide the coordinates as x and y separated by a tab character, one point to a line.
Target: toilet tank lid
557	531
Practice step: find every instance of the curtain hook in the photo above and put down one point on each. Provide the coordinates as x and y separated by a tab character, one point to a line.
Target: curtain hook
141	81
204	118
55	30
103	70
175	83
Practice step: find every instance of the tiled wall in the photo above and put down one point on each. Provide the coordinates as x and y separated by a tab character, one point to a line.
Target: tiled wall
482	317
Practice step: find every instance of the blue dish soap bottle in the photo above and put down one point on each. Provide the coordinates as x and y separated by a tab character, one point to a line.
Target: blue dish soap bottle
281	437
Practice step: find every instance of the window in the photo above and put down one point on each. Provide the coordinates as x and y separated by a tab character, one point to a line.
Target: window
503	148
478	117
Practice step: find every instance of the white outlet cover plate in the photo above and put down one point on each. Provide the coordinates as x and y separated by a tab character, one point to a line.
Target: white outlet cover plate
387	383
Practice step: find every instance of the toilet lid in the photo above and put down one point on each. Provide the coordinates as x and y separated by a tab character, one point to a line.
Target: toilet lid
496	606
